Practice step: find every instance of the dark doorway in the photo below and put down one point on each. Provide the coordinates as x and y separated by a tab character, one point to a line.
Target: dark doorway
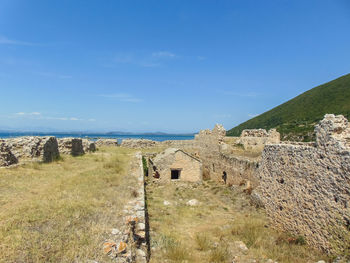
224	176
175	174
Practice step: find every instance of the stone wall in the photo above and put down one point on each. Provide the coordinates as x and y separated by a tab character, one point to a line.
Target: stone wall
306	189
106	142
211	148
72	146
131	242
42	148
138	143
145	143
88	146
256	139
236	168
182	144
7	158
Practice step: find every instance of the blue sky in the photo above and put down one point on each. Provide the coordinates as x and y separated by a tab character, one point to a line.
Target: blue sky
173	66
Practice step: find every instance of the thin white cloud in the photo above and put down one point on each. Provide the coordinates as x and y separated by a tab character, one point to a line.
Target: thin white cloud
124	97
163	54
28	113
6	41
53	75
252	115
149	60
222	116
39	116
201	58
241	94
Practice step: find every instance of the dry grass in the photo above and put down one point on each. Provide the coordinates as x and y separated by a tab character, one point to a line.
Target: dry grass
207	233
63	211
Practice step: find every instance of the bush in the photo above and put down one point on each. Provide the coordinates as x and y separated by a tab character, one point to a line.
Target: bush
219	254
202	241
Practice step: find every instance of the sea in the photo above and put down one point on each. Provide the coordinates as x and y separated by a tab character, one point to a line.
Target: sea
95	136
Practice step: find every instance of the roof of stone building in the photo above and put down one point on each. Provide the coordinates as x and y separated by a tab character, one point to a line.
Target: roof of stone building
171	151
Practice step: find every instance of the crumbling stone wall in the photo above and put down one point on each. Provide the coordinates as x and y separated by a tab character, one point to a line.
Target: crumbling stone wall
131	242
172	158
211	149
182	144
106	142
256	139
72	146
306	189
236	168
88	146
42	148
7	158
138	143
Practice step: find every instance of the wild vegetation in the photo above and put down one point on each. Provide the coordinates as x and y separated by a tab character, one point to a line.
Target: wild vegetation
63	211
214	230
295	119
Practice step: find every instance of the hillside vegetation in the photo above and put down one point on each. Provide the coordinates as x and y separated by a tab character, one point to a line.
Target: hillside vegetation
295	119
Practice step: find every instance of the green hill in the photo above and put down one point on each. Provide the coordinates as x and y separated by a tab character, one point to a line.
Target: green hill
295	119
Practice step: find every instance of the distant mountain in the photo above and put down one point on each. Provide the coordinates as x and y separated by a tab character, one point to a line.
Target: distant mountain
149	133
295	119
88	133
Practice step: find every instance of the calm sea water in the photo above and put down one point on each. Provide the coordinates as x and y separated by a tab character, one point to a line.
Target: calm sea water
95	136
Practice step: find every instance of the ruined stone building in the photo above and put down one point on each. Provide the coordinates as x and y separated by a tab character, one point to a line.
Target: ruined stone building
256	139
33	147
72	146
177	165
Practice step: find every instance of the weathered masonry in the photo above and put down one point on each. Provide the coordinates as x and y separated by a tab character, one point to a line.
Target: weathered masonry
305	187
218	161
175	164
41	148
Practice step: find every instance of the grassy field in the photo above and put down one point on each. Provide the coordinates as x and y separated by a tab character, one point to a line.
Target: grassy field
63	211
211	231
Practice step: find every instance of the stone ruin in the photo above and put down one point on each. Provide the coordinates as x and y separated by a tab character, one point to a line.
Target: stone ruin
138	143
72	146
130	243
7	158
42	148
333	132
256	139
88	146
106	142
175	165
218	133
305	187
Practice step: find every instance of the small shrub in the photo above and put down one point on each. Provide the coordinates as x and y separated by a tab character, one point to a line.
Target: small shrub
172	249
36	165
206	175
177	252
219	254
134	193
239	146
287	239
59	158
114	165
300	240
203	242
